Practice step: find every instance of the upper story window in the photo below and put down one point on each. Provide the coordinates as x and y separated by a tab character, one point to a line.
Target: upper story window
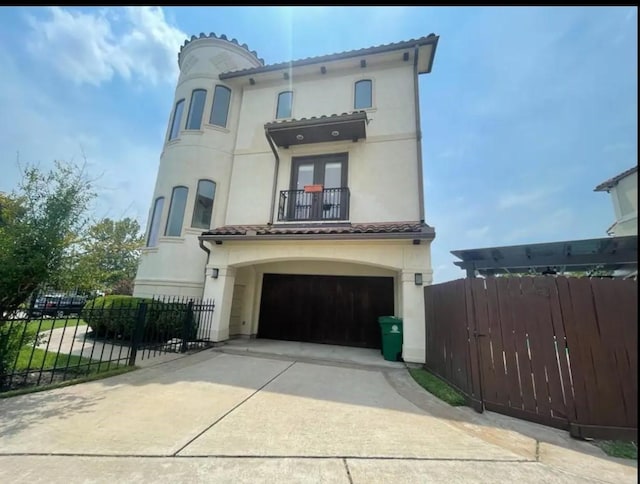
285	101
363	94
196	108
220	107
176	212
203	206
154	226
176	120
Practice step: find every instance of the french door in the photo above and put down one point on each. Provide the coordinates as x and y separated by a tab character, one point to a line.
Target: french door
319	188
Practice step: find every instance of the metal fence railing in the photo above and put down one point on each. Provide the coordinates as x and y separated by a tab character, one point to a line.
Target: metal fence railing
53	342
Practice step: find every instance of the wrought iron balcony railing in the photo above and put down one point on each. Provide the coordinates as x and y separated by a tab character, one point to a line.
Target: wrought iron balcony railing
325	204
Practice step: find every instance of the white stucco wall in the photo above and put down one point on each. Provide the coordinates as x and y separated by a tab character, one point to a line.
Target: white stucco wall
624	196
383	171
176	264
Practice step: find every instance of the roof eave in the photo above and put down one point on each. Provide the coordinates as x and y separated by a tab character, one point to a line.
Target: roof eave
432	56
424	235
431	39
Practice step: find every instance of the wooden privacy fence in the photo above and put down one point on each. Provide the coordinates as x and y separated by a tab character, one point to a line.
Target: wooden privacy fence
553	350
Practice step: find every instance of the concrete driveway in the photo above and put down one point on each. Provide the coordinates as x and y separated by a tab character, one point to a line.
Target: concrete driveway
220	417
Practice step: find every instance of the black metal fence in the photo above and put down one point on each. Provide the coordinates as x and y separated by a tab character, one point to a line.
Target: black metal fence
68	338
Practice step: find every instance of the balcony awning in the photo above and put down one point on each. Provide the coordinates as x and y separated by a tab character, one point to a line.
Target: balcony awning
337	127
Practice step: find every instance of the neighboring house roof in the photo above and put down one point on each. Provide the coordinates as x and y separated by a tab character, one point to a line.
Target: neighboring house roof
431	39
608	253
410	230
607	185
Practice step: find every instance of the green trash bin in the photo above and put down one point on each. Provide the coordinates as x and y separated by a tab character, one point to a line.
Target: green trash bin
391	329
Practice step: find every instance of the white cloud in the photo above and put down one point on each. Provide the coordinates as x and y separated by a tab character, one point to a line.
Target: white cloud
124	171
477	233
519	199
544	229
85	47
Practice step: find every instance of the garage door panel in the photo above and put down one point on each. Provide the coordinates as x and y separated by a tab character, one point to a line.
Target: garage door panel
324	309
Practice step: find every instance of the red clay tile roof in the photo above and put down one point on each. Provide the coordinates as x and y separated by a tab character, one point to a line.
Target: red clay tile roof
611	182
324	118
429	39
415	228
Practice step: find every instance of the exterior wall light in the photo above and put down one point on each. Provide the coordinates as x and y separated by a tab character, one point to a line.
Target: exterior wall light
214	273
418	278
335	133
299	137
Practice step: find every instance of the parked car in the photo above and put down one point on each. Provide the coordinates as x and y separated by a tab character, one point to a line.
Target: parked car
58	305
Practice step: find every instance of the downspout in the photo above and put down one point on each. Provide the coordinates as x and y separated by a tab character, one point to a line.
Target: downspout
416	97
208	251
275	175
205	248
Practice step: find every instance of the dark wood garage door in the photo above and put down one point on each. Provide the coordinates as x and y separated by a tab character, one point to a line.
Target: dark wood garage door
336	310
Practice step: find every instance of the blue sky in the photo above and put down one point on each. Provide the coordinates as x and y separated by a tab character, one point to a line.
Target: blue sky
525	112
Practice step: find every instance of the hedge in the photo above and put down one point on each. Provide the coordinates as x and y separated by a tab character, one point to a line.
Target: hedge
115	317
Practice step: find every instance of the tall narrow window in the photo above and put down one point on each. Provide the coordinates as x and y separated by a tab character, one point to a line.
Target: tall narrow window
363	95
285	101
196	108
220	107
177	119
154	227
203	206
176	212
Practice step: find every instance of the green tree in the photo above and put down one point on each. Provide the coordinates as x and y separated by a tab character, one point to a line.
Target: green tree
38	222
104	256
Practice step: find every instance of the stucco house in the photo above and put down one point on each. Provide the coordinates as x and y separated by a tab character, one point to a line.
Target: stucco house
623	189
292	193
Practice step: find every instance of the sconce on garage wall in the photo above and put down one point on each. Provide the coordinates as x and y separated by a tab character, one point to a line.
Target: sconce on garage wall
214	273
418	278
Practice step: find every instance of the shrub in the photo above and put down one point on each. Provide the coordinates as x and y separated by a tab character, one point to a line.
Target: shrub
13	336
115	316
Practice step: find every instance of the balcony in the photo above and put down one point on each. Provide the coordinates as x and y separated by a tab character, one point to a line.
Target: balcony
323	204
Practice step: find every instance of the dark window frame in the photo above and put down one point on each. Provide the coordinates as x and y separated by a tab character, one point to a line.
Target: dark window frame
152	219
173	127
190	112
170	212
319	161
213	106
290	105
363	82
195	203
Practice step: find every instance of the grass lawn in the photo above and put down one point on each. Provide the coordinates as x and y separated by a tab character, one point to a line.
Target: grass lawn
48	358
439	388
619	448
47	324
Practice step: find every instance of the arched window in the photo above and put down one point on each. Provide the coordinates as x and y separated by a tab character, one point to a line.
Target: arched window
196	108
176	212
177	119
363	98
203	206
285	101
154	226
220	107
